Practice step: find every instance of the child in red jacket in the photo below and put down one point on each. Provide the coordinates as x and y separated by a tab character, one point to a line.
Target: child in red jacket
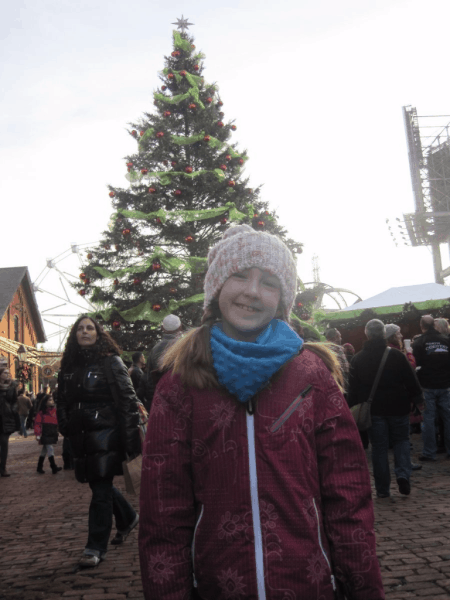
46	430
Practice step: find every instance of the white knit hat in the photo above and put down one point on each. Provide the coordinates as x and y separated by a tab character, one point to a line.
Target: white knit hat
242	248
391	329
171	323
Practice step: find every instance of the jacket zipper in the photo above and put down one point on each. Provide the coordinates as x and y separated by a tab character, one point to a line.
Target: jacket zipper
193	545
319	535
290	409
259	555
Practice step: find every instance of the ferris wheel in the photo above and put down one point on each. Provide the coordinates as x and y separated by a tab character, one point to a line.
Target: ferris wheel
59	303
338	295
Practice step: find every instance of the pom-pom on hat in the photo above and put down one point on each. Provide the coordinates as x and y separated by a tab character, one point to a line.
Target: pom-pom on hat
242	248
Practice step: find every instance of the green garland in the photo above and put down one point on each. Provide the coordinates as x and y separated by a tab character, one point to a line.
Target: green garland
180	42
165	177
145	312
189	215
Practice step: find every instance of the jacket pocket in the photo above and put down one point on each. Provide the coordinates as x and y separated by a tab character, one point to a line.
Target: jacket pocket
193	545
322	549
290	410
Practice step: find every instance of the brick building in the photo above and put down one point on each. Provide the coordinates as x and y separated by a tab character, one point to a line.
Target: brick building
21	322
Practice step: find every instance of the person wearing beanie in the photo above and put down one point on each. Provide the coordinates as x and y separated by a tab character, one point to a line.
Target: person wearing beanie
245	470
171	328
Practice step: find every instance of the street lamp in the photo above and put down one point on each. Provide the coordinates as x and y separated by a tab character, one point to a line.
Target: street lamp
21	353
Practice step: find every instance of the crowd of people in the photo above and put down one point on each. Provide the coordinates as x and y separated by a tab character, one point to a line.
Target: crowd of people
247	484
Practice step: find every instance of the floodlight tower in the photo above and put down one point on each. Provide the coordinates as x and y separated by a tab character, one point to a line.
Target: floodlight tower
429	162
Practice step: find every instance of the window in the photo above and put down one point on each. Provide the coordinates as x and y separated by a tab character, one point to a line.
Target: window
16	328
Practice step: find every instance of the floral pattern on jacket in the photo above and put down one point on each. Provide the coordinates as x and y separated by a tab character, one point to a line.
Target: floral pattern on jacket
311	520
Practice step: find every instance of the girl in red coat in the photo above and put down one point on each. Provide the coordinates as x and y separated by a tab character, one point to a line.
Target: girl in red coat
46	430
254	482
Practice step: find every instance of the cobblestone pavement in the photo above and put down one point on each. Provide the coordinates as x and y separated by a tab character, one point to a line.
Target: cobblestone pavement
43	528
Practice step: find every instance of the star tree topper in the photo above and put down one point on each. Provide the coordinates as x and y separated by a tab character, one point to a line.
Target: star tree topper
182	24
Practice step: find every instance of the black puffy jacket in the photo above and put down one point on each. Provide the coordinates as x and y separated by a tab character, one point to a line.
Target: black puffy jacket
101	430
9	414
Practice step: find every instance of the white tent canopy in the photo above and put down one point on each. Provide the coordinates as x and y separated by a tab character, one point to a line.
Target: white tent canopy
401	295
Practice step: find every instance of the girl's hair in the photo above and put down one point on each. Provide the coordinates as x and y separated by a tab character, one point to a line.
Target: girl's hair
104	345
190	357
442	326
43	403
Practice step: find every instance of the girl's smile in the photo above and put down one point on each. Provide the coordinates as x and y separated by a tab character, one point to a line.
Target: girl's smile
248	301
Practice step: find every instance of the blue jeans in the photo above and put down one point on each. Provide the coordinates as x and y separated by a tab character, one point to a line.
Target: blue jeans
23	429
440	400
383	430
106	501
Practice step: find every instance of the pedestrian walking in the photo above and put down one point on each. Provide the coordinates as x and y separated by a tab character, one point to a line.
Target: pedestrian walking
102	431
397	388
254	481
9	415
24	406
136	370
46	432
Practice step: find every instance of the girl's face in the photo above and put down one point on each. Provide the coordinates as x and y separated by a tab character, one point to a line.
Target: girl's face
5	376
248	301
86	333
50	403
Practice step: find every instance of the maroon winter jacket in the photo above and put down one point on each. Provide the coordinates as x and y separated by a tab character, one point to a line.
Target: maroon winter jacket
271	506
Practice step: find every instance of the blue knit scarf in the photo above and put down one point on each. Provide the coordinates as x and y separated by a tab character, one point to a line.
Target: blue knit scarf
245	367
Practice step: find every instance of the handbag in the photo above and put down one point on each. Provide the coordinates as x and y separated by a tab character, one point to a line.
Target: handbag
132	475
361	411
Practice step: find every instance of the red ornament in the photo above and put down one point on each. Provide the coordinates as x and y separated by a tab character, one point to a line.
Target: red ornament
136	281
299	304
164	88
144	171
173	163
111	194
116	282
129	165
196	67
183	73
89	255
156	307
116	324
167	113
192	106
223	167
266	212
82	275
219	124
177	192
165	163
117	247
206	138
224	220
87	281
241	161
170	76
82	292
160	134
158	221
189	239
141	133
233	127
208	100
106	246
192	46
152	190
261	223
126	232
173	290
220	103
134	133
188	169
255	216
249	191
231	183
228	157
156	266
176	53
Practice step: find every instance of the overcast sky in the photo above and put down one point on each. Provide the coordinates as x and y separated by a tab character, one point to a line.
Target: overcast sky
316	90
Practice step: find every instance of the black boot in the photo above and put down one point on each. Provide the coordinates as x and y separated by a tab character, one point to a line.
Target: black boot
40	465
55	469
67	461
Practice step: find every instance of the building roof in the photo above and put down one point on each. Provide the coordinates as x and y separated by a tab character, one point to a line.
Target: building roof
10	280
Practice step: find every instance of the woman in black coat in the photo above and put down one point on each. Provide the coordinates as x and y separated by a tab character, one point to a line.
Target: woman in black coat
97	411
9	415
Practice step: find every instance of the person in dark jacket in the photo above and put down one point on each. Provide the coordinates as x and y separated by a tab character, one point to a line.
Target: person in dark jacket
432	353
46	431
397	388
97	410
171	329
9	415
135	371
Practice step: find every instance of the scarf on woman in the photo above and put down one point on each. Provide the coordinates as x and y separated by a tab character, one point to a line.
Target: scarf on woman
245	367
5	386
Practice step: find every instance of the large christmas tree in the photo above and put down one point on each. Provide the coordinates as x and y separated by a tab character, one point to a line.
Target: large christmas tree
186	187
